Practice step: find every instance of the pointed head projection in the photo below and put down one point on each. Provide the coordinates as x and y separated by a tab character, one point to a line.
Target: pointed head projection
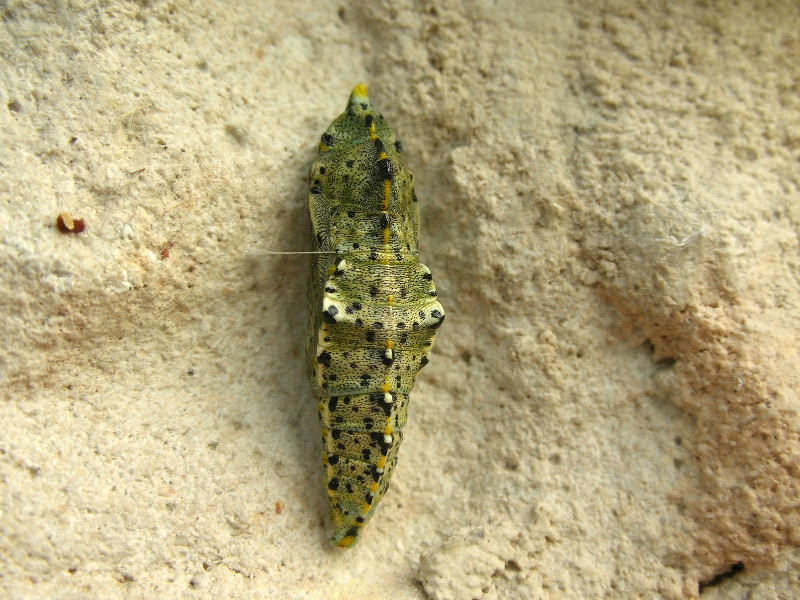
360	122
359	100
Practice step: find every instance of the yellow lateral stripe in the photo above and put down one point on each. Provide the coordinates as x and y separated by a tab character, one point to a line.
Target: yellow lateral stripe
373	131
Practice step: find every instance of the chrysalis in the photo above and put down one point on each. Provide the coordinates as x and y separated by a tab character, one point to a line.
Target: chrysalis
374	310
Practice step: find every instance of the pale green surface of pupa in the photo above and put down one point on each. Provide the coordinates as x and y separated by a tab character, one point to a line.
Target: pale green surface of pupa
374	310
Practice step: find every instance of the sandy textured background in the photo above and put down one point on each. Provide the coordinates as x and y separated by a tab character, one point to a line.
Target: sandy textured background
611	209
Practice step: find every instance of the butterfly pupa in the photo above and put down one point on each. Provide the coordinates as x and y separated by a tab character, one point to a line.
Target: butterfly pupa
374	308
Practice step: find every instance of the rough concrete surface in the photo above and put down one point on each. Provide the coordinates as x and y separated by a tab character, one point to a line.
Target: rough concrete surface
611	205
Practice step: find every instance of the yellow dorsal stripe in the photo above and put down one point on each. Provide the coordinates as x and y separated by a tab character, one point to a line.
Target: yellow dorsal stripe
387	193
373	131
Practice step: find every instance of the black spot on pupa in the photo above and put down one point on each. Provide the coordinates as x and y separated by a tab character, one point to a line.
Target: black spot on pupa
353	531
422	314
357	306
379	438
322	170
401	325
330	289
359	322
350	164
377	325
333	459
384	220
329	316
328	139
427	276
339	268
373	255
433	293
369	423
379	147
423	361
333	484
398	145
385	169
332	402
351	213
316	189
325	358
370	336
368	120
356	245
360	520
373	291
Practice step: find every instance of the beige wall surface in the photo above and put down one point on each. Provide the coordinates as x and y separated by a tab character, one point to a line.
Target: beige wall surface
610	197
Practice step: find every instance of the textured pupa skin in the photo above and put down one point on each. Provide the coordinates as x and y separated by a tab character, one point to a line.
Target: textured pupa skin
374	310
